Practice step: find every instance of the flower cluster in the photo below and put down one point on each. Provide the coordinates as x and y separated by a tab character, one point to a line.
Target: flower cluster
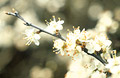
100	42
79	45
113	64
78	40
53	27
87	67
74	43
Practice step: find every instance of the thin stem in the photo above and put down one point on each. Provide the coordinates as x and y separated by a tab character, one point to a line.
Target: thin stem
16	14
98	57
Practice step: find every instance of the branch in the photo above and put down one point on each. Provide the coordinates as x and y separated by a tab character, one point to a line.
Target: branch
16	14
98	57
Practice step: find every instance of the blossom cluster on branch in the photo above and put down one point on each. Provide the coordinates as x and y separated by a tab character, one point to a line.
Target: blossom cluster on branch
91	50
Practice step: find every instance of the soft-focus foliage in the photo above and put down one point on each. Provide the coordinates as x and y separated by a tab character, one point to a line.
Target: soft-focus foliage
97	17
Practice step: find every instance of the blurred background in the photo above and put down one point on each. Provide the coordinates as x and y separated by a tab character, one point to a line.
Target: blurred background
20	61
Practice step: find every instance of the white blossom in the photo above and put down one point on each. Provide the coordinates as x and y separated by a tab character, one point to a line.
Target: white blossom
98	74
100	42
71	41
70	46
31	36
84	36
54	25
91	47
114	65
59	45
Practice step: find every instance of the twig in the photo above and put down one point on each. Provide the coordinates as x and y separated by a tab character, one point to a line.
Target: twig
98	57
16	14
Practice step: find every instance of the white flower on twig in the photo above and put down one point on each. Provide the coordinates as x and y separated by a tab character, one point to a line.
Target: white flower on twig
113	63
59	45
100	42
54	25
31	36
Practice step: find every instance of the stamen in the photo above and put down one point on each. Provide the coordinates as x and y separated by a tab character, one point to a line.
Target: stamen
73	27
59	18
47	22
13	10
50	20
114	53
68	30
53	47
54	18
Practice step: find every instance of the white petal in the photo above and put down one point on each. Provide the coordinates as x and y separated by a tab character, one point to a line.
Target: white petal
97	47
79	48
59	27
62	52
36	42
51	29
91	51
36	36
114	69
108	42
29	32
60	22
77	56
